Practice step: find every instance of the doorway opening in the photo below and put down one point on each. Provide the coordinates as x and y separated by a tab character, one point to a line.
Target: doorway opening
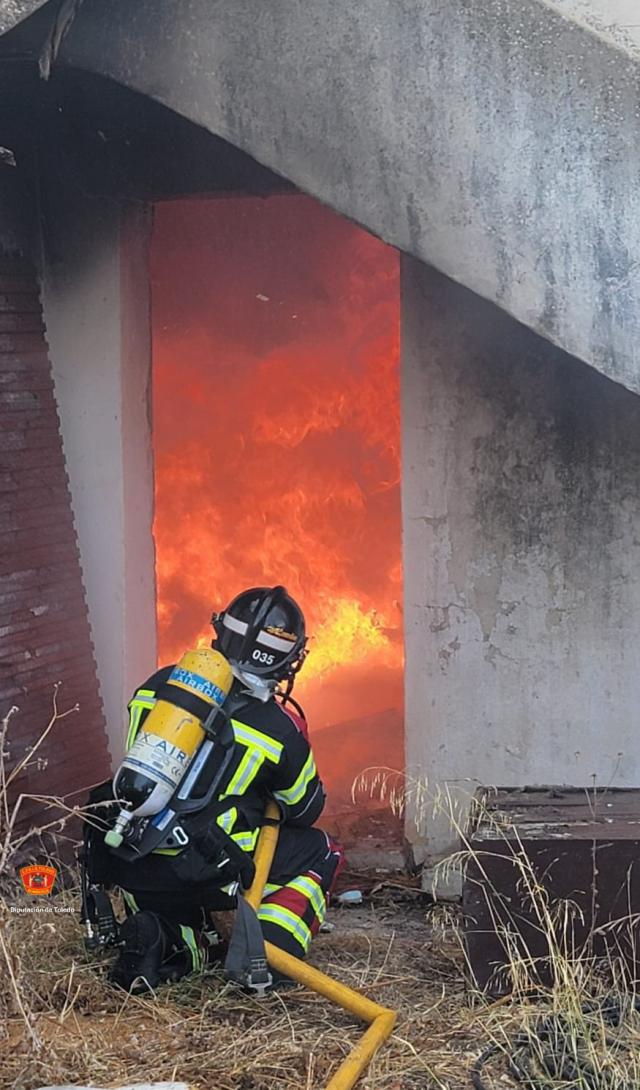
276	425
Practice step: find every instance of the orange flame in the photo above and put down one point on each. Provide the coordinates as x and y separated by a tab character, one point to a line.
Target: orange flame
276	425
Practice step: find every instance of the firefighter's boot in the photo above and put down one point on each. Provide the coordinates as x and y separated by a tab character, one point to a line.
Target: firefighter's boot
149	954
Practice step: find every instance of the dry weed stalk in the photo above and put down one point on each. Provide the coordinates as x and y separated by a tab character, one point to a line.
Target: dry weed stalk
581	1031
10	841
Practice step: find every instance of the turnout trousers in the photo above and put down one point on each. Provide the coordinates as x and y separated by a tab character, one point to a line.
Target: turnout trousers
305	866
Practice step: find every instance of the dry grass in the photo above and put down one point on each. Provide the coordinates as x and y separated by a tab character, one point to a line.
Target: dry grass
61	1021
582	1031
81	1029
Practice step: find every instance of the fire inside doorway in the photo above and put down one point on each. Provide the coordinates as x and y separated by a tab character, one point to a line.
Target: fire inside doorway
276	426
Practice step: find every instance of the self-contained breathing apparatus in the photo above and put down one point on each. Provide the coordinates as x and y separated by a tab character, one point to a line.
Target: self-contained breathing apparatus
187	740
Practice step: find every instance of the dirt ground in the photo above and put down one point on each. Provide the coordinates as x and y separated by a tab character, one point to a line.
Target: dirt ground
75	1027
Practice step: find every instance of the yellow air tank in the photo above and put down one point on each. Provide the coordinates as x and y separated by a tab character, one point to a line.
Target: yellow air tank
164	748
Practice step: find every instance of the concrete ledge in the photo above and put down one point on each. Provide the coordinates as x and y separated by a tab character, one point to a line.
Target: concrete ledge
497	141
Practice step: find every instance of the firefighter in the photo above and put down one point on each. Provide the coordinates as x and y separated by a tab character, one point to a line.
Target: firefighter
171	893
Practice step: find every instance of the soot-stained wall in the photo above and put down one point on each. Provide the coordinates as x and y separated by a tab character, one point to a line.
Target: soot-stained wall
521	555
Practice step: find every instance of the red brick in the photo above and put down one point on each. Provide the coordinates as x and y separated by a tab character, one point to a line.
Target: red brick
47	476
15	635
54	498
44	634
21	342
17	302
31	516
20	323
34	537
16	283
20	400
39	560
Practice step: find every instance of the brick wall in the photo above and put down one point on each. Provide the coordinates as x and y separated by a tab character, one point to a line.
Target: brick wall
44	630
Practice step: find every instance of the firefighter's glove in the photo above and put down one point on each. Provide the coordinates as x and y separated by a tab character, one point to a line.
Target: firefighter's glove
207	843
203	862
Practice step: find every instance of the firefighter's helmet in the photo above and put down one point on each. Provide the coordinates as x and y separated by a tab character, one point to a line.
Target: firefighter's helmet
261	632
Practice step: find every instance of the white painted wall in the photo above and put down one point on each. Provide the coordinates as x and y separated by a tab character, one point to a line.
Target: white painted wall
521	514
96	305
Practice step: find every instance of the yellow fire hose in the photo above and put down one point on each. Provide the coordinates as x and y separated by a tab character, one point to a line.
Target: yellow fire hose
381	1020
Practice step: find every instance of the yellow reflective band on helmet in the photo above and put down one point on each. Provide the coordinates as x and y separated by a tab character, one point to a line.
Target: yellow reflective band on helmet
296	792
313	892
283	917
246	772
247	841
144	700
189	939
255	739
227	820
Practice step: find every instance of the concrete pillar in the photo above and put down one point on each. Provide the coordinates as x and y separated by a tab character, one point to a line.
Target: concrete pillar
96	303
521	513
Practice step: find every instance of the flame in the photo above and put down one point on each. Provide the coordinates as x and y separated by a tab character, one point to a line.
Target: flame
277	435
348	635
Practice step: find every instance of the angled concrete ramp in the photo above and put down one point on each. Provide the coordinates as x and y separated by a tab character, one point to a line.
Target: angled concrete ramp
618	21
498	140
14	11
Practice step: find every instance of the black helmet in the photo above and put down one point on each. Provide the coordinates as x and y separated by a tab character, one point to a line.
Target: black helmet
262	632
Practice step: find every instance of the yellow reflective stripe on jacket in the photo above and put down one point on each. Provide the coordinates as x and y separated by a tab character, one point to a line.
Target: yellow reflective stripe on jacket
246	772
312	890
288	920
296	792
247	840
255	739
145	694
144	700
129	900
227	820
271	887
189	939
258	748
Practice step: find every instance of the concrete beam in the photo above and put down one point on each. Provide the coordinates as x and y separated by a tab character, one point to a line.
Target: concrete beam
498	142
521	558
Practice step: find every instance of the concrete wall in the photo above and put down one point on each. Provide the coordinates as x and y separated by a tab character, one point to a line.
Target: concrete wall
96	302
497	141
521	513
